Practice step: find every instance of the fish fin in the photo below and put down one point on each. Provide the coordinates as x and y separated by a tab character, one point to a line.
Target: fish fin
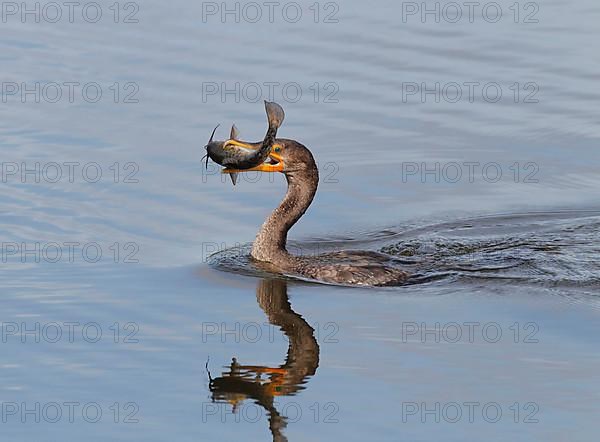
235	133
234	177
275	114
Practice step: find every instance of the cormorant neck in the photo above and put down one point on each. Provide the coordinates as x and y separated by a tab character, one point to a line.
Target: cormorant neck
271	240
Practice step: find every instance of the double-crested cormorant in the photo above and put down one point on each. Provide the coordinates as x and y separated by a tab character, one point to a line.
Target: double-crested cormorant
296	162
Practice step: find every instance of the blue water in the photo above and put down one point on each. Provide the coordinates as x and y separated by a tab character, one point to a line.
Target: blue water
110	223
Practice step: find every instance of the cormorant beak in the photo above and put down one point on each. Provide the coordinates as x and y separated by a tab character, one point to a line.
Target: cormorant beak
274	164
238	143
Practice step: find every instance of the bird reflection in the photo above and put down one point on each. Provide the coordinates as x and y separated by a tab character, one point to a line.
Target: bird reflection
260	383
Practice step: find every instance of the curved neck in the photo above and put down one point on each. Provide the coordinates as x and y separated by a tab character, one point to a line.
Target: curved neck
270	242
303	349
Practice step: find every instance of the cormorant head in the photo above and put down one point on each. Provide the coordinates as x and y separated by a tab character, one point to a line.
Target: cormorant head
287	156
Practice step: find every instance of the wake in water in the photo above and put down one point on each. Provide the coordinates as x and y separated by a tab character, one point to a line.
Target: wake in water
552	249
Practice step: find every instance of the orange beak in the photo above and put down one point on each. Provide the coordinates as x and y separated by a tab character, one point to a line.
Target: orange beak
276	164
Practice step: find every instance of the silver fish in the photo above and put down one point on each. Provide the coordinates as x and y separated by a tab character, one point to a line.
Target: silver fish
242	155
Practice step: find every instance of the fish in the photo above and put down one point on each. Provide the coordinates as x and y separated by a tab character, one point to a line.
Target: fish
236	154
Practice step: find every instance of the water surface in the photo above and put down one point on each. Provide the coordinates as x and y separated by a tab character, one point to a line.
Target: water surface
494	203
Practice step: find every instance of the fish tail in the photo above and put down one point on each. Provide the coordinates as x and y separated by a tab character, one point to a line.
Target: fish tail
275	115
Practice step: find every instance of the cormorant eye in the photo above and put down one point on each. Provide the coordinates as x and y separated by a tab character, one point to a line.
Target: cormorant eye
278	149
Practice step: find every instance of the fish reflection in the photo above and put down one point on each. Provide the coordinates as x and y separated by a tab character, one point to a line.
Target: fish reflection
263	384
